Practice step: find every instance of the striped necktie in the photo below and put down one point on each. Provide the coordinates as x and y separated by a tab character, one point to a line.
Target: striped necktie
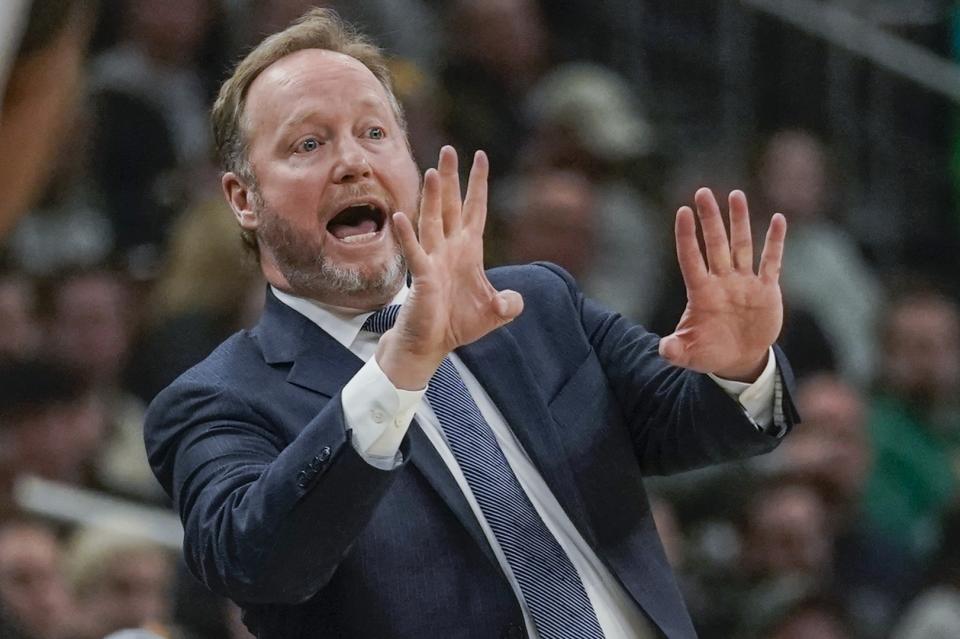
550	585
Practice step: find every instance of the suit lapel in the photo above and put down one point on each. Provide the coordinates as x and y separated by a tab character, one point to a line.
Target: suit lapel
497	362
322	364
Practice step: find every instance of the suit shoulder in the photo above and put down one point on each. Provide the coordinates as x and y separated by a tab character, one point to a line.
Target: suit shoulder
222	369
537	278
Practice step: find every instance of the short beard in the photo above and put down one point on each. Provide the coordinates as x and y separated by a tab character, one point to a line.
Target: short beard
310	274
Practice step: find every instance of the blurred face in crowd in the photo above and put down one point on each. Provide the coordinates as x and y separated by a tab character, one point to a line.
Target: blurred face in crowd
483	26
332	165
90	326
174	34
59	439
832	446
21	331
808	623
793	175
132	591
554	222
32	587
787	533
921	361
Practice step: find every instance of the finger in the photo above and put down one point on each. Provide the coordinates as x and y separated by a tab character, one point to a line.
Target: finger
475	204
772	257
692	267
412	251
508	304
741	243
714	235
450	202
430	222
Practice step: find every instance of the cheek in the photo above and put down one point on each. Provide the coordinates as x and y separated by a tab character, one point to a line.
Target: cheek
405	183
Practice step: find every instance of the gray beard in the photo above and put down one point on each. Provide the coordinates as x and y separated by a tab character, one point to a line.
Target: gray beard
310	274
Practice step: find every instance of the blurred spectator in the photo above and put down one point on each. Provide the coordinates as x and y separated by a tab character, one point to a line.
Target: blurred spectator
199	299
805	615
587	119
39	94
21	333
33	591
120	582
871	575
793	179
784	547
787	534
914	421
550	216
90	326
495	52
51	425
935	613
147	93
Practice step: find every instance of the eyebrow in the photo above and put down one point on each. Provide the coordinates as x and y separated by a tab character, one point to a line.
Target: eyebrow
367	102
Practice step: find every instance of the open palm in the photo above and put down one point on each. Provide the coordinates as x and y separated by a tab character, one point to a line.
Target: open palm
451	301
733	314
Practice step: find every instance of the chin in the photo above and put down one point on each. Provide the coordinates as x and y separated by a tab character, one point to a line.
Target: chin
340	283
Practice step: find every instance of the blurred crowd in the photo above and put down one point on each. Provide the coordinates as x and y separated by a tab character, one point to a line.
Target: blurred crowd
128	268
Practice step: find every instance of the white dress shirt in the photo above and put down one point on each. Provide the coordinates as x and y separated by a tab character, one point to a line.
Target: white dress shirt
379	415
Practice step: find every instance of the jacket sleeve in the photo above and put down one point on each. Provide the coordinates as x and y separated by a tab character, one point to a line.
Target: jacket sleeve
678	419
264	522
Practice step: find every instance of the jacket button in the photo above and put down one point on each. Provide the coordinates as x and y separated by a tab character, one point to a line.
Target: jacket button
513	631
324	454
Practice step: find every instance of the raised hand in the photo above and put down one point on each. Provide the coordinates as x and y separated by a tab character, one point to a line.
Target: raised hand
733	315
451	301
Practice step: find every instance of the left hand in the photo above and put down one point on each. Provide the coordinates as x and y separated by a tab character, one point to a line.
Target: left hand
733	315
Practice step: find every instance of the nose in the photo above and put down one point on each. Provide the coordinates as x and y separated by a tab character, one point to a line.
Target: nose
352	165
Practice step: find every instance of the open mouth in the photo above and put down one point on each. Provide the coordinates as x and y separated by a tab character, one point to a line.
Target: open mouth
358	223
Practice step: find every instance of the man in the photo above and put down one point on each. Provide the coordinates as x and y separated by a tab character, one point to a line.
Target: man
33	590
514	500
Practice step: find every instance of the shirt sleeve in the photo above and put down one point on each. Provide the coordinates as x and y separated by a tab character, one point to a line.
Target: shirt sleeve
761	399
378	414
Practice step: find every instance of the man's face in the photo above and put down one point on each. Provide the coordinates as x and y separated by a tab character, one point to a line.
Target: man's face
332	166
133	591
922	351
32	587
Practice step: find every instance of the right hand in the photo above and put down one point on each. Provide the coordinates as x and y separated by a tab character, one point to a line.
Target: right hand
451	301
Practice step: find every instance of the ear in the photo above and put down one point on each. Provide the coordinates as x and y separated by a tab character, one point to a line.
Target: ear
240	198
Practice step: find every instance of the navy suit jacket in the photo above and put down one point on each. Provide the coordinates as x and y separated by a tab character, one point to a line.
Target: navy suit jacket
283	516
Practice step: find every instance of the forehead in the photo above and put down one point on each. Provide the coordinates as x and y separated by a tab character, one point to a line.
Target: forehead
305	81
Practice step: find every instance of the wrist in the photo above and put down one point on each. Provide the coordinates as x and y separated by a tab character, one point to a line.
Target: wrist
406	368
748	372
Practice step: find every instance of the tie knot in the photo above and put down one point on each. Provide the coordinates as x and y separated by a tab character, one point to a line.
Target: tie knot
383	320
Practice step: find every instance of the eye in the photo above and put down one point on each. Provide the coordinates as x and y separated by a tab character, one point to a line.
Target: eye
308	145
376	133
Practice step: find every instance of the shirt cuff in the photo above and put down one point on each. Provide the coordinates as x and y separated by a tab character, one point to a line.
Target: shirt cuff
758	398
378	414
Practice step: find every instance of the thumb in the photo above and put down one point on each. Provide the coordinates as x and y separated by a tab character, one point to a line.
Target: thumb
672	350
508	304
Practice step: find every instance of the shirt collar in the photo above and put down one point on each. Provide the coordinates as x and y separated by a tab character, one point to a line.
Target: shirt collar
341	323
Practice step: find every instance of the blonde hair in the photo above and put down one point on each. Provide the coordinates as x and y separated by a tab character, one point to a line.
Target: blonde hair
316	29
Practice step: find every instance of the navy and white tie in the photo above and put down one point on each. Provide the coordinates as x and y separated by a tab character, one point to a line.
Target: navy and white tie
551	587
